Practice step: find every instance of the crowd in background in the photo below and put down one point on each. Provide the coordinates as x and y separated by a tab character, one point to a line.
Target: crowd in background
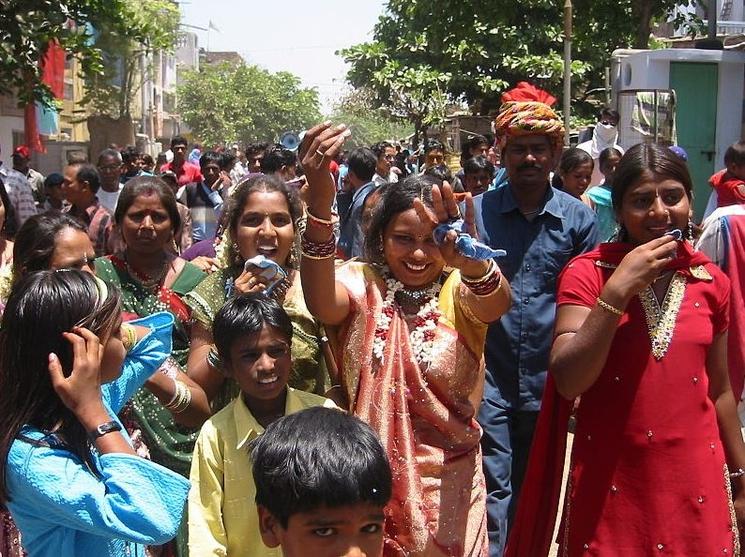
180	332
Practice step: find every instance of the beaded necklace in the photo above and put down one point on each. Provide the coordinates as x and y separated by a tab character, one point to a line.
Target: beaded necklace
150	283
425	321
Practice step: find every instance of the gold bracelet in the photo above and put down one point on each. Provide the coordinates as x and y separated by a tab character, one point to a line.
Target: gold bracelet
317	257
490	270
324	222
607	307
129	336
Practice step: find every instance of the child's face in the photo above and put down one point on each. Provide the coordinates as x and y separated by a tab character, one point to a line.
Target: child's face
737	170
348	531
477	182
609	168
260	364
578	179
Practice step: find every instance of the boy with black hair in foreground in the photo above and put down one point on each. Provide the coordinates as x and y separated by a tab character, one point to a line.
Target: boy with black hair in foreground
322	480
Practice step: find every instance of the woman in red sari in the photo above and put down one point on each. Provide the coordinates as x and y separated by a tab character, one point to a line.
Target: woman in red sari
641	334
411	349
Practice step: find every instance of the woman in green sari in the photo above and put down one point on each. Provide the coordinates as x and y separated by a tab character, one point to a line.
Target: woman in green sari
260	220
163	421
152	279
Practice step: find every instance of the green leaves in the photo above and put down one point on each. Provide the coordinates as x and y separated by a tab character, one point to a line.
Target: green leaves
88	29
482	47
225	103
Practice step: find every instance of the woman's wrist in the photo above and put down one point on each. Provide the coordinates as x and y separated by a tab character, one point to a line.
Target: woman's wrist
92	416
614	297
474	270
320	209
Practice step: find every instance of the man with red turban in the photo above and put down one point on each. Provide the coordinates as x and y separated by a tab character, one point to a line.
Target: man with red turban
541	229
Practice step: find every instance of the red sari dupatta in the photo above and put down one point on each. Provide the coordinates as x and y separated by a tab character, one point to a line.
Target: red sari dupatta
532	529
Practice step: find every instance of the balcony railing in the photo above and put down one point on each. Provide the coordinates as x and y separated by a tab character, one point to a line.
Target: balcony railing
729	27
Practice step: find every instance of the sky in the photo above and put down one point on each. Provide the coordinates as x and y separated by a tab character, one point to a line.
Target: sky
298	36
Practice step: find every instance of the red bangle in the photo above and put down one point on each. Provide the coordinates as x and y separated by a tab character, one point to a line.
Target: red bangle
318	250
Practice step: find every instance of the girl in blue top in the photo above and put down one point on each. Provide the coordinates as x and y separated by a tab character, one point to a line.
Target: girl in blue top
68	474
600	195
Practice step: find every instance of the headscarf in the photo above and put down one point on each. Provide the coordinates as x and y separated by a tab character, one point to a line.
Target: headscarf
526	110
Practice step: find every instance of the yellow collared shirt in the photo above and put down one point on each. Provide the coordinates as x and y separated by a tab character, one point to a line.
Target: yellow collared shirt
222	512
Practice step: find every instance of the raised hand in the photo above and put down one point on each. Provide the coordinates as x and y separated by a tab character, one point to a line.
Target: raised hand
249	282
445	209
640	267
320	146
81	390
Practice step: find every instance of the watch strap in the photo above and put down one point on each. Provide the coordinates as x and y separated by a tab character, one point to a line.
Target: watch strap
103	429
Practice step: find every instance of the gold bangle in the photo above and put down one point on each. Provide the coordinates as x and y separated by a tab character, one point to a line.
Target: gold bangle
129	336
607	307
317	257
324	222
475	281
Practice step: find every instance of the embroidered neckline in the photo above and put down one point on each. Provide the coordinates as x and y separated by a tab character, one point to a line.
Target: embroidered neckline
661	319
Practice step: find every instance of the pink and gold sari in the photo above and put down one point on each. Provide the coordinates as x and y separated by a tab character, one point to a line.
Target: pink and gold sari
423	415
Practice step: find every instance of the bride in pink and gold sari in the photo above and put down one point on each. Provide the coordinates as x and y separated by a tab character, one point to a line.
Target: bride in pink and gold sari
410	349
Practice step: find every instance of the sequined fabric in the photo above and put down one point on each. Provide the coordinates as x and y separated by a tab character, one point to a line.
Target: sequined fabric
147	420
423	417
647	460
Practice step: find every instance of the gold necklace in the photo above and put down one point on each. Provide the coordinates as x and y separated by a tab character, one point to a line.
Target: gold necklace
149	283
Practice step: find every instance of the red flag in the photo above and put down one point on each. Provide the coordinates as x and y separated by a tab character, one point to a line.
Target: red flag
53	74
53	68
31	129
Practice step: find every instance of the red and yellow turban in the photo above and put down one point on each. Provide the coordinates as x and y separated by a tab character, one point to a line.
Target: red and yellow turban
526	110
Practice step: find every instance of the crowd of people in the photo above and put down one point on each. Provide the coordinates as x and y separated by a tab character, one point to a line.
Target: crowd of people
366	352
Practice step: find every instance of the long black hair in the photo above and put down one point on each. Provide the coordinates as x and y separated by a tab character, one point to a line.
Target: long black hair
42	306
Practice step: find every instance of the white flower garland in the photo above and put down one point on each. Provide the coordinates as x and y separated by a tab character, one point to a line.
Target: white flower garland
425	323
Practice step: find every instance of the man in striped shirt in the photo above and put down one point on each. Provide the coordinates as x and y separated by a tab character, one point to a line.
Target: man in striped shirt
79	188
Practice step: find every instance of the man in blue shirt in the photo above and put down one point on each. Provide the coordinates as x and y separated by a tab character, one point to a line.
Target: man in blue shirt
541	229
362	163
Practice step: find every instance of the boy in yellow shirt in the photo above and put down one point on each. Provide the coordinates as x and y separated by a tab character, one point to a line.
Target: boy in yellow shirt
253	336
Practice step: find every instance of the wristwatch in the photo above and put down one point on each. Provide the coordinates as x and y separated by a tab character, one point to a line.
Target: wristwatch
103	429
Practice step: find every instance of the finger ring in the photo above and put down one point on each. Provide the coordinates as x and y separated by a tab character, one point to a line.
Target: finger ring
319	152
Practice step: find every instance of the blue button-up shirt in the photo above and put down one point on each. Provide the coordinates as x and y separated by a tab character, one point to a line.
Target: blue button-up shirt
518	345
351	238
